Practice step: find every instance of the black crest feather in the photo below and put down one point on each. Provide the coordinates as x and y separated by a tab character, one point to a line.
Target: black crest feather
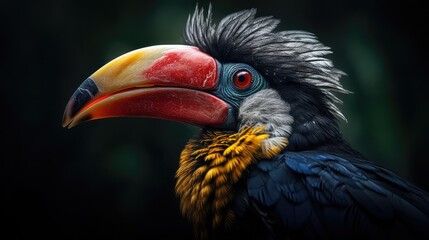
280	56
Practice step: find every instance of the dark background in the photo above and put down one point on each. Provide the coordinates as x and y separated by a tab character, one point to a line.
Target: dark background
114	178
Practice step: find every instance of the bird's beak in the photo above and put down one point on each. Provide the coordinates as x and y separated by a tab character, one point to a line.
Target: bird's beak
167	81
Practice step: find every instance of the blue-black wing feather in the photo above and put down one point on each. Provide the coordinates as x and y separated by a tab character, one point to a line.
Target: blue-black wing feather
313	194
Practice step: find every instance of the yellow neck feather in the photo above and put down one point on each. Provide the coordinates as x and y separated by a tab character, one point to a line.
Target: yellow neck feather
211	166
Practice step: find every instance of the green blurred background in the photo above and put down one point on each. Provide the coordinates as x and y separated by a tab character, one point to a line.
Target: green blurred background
115	178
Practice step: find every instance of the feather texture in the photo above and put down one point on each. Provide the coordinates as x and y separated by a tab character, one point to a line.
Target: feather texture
210	169
350	198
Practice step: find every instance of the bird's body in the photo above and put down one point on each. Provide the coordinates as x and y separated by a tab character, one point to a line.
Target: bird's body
230	188
270	162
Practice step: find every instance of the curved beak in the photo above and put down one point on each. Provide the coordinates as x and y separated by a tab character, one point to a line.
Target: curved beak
165	81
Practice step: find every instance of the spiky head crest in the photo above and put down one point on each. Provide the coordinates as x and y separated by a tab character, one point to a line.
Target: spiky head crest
286	56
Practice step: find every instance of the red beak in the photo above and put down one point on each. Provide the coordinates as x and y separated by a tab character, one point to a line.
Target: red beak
167	81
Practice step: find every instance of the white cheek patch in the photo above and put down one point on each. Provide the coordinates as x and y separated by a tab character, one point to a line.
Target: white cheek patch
266	108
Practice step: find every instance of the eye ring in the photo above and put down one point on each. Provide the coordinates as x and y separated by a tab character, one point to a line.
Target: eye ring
242	79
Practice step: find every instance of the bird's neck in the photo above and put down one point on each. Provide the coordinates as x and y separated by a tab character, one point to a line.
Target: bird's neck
211	166
317	132
315	125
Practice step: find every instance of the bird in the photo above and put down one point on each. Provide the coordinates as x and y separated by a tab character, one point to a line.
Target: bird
270	161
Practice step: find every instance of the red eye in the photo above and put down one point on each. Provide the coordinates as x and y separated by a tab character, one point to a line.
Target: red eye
242	79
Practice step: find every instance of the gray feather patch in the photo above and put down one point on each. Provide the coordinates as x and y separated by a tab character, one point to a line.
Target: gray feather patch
266	108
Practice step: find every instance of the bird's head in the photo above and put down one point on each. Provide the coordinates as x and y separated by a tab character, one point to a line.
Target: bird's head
229	76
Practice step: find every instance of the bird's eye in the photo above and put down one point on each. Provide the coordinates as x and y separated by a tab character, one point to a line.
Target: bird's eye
242	79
